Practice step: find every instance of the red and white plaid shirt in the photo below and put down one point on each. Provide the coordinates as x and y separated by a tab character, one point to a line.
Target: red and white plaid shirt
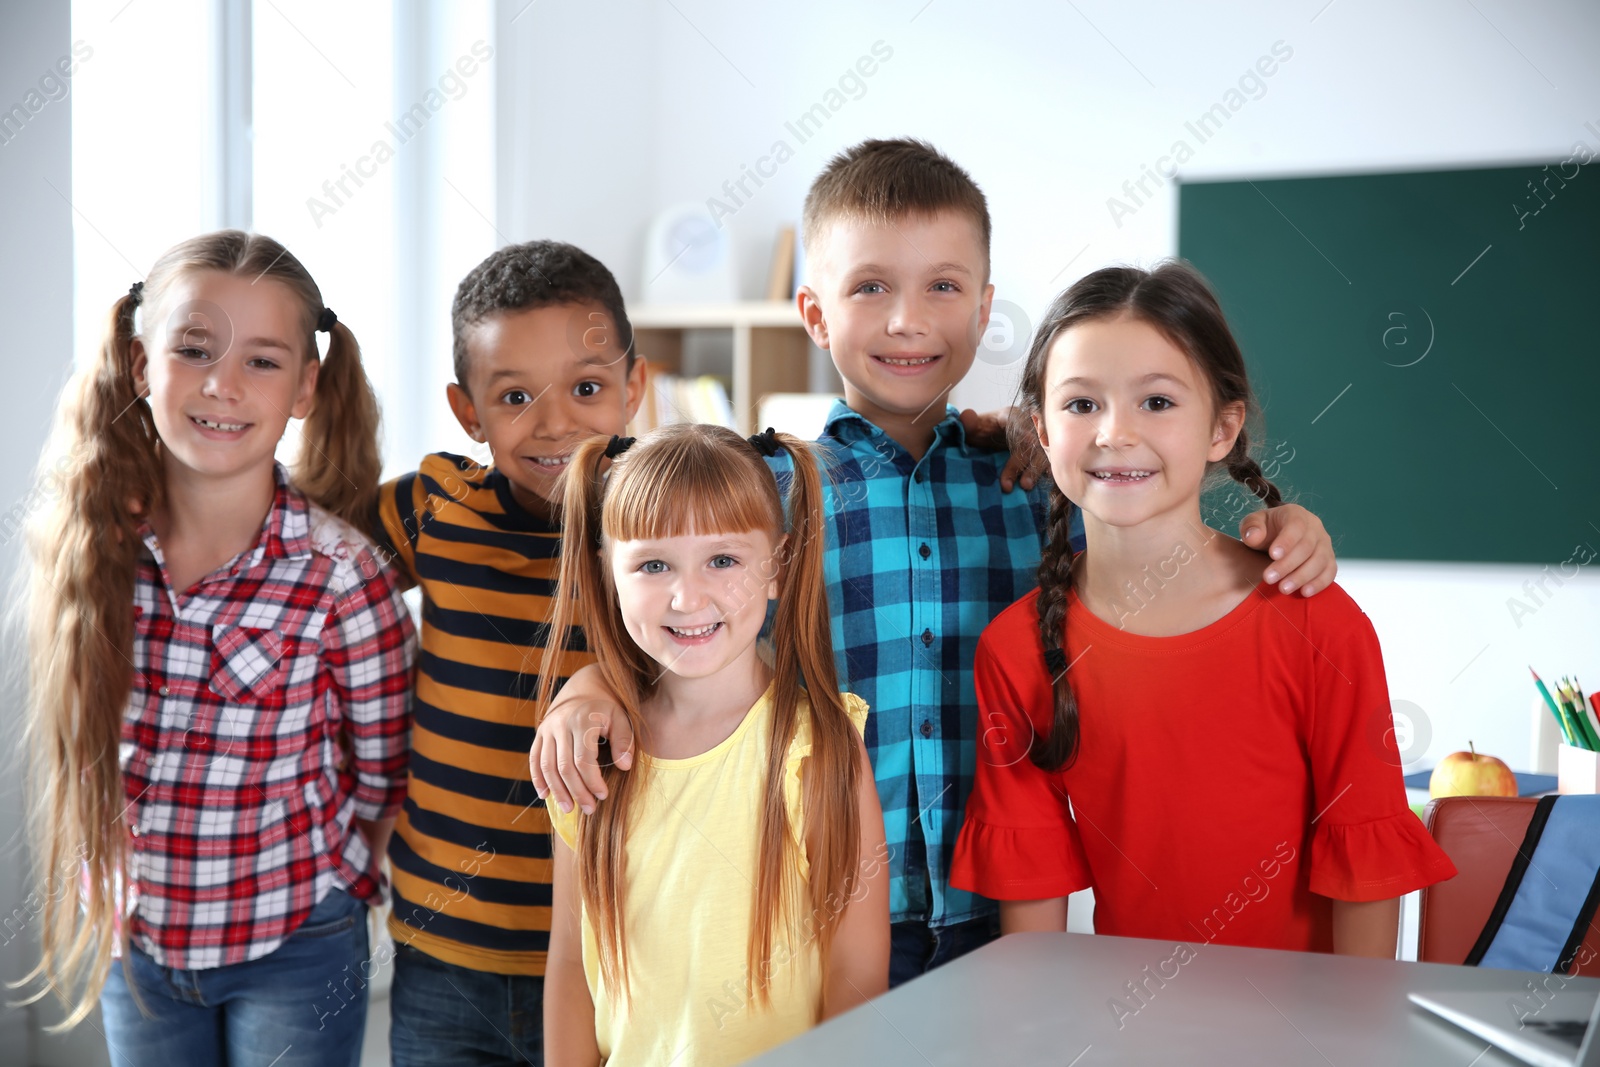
270	708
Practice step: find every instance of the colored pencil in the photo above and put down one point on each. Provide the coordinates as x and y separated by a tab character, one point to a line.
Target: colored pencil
1579	721
1580	712
1550	701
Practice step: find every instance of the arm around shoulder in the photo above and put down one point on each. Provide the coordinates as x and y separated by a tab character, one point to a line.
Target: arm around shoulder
1298	544
564	760
587	683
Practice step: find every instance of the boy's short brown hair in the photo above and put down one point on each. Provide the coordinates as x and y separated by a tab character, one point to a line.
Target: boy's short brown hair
884	181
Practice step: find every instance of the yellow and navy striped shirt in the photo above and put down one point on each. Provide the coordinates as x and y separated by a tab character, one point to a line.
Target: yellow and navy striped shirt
471	850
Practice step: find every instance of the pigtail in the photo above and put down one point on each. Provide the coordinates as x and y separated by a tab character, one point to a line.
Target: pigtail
1060	748
1243	469
578	576
584	586
339	466
100	473
802	637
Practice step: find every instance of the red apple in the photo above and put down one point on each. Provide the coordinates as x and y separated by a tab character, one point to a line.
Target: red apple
1467	774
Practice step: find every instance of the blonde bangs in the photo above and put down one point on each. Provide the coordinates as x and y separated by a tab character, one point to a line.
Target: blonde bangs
685	479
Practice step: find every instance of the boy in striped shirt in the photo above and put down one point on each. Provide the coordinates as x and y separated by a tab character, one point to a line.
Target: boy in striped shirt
543	359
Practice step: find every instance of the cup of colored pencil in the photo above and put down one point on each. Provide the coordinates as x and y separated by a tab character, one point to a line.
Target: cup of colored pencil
1578	759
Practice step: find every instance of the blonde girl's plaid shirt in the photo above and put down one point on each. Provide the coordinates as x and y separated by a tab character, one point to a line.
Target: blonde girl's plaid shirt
270	709
921	556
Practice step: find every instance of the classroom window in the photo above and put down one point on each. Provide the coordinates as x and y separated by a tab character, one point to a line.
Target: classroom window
364	143
142	169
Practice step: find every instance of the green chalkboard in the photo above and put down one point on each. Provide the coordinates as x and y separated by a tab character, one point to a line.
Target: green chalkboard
1424	349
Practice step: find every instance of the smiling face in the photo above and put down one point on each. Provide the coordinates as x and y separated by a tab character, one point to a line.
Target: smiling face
695	603
538	382
1129	423
901	307
224	362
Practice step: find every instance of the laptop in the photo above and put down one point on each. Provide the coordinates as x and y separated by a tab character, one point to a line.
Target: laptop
1561	1032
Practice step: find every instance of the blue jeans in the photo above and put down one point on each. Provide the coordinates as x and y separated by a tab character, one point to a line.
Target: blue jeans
443	1015
916	948
302	1005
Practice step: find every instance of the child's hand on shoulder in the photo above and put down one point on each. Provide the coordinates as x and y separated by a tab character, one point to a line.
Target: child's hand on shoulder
1008	429
1301	550
564	761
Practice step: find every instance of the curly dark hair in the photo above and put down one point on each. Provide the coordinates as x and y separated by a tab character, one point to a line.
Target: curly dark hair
535	274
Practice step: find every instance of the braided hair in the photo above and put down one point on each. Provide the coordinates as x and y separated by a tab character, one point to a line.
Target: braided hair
1176	300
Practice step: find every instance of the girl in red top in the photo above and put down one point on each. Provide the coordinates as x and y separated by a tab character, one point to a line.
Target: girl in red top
1225	747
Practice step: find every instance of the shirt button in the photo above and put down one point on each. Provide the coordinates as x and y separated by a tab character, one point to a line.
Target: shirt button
924	551
927	638
927	729
164	691
921	475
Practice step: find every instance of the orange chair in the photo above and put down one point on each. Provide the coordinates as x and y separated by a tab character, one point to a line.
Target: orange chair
1481	835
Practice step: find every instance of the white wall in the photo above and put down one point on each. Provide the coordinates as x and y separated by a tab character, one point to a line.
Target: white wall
577	149
36	307
1052	107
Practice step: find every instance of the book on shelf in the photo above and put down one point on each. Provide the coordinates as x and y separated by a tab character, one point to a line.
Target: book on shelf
670	398
781	276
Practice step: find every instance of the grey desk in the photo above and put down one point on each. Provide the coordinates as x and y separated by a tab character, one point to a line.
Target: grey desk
1051	999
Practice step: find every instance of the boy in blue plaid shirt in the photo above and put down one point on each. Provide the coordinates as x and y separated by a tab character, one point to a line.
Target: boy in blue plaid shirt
926	543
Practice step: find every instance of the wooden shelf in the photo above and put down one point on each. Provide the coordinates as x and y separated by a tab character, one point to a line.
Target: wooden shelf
771	350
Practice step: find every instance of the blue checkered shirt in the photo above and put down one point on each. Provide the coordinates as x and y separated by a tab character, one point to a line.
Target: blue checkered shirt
922	555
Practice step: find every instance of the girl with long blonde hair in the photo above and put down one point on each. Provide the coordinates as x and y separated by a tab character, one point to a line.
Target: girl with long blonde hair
733	892
219	671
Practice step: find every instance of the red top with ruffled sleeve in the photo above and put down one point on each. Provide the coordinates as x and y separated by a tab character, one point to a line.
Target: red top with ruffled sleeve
1228	782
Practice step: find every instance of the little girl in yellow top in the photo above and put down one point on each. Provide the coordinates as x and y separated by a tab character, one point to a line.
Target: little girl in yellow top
733	892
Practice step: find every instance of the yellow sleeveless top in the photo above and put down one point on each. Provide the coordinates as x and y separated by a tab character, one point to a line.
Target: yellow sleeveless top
691	867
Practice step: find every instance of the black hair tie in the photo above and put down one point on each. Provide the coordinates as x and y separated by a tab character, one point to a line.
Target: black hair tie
617	446
136	293
1055	660
766	442
326	320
